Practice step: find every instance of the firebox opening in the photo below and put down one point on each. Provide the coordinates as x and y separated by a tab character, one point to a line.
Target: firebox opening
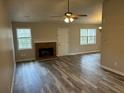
45	52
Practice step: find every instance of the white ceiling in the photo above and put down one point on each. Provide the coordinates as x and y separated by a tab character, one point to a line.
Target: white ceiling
42	10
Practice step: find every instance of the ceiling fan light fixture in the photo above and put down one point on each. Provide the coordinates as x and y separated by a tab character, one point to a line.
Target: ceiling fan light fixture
68	14
68	20
71	19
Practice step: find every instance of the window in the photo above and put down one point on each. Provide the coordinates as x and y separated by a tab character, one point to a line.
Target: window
87	36
24	38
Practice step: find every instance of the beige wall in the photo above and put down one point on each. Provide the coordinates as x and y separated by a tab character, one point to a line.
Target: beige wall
48	32
74	39
6	51
113	35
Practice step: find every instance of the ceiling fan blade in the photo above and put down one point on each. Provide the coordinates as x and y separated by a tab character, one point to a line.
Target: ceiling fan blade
74	17
77	16
83	15
56	16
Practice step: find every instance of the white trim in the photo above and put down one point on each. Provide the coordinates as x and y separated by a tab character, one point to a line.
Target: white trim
48	59
22	60
13	77
84	52
62	55
45	41
112	70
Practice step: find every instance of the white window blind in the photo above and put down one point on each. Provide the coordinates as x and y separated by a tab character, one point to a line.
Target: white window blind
87	36
24	38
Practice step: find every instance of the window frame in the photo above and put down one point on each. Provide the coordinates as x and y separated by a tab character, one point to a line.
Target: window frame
17	40
95	37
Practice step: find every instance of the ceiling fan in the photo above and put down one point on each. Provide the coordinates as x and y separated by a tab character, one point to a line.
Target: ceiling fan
69	16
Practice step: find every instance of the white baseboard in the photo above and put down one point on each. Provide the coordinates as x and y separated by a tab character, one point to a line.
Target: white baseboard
84	52
112	70
13	77
23	60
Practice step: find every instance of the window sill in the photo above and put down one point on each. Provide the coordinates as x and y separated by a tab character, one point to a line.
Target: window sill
88	45
24	49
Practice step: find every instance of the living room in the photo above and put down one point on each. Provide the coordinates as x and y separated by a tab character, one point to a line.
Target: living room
69	46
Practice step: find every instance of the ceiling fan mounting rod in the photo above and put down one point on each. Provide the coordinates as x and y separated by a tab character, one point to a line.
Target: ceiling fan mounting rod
68	6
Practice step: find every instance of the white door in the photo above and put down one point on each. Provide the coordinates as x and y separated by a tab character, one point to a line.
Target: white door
62	41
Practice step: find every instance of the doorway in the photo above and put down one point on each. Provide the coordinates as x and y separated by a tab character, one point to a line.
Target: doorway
62	41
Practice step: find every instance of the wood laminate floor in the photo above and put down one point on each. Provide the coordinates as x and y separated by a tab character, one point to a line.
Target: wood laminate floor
69	74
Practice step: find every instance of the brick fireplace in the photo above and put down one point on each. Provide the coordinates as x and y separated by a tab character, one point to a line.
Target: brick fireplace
45	50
